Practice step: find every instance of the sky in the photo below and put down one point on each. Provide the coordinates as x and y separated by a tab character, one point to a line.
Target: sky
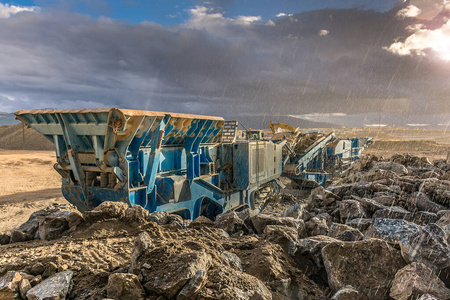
340	62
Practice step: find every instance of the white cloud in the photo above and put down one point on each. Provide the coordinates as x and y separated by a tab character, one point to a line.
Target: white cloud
207	18
410	11
7	10
281	15
324	32
248	19
437	40
270	23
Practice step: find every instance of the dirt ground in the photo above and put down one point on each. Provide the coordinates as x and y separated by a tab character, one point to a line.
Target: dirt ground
28	183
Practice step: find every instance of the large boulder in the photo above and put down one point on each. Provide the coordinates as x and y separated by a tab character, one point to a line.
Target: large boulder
369	266
105	211
391	230
230	222
233	260
31	226
160	217
142	244
360	223
317	226
4	238
351	209
423	203
222	286
295	211
54	225
138	214
311	248
429	246
193	286
344	232
397	168
281	235
18	236
320	197
416	280
124	286
9	285
53	288
437	190
172	272
260	221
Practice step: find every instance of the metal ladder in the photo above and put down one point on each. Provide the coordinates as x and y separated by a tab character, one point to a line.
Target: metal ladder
229	132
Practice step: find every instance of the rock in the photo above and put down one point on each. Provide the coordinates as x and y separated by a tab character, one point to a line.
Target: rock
230	222
423	203
175	221
249	288
201	222
369	266
260	221
320	197
19	236
395	212
385	200
246	216
391	166
295	211
351	209
53	288
359	223
138	214
429	246
37	269
124	286
281	235
427	297
193	286
317	226
36	280
437	190
311	248
106	210
344	232
4	238
9	285
347	293
233	260
160	217
142	244
416	280
51	269
179	269
24	287
371	205
391	230
55	224
444	219
70	213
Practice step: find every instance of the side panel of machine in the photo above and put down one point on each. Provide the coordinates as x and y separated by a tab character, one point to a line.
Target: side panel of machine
255	163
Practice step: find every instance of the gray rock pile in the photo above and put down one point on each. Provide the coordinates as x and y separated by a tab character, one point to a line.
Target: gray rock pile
380	232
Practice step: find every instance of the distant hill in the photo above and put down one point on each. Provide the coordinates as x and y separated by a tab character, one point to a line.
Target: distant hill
18	137
7	119
262	122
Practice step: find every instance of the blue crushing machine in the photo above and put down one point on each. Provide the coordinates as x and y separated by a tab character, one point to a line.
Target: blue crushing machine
313	156
185	164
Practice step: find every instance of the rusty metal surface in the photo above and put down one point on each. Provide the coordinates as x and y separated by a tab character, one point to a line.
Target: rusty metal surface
128	112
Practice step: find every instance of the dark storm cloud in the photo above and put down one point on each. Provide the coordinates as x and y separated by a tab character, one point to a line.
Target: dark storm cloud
320	61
